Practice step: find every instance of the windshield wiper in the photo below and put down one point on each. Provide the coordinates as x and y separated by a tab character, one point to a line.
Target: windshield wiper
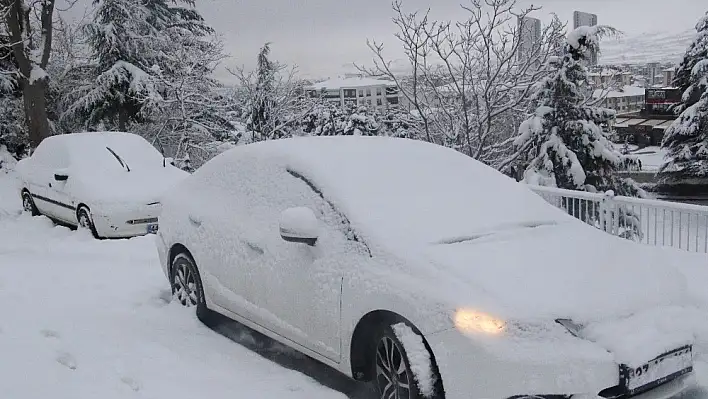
122	163
498	229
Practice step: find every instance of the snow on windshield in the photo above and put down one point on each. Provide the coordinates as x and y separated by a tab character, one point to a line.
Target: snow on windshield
92	149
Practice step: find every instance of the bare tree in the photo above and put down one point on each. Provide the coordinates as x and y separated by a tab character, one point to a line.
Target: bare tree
29	27
467	79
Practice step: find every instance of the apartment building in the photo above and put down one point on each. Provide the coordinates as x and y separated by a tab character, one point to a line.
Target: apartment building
529	36
586	19
627	99
376	93
609	77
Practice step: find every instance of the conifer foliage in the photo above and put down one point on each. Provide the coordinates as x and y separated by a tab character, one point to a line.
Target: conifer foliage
564	139
686	140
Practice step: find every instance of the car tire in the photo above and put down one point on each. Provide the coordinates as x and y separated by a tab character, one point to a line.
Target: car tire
28	204
187	288
85	221
384	369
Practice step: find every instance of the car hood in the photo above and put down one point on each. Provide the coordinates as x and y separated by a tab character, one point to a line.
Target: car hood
558	270
139	186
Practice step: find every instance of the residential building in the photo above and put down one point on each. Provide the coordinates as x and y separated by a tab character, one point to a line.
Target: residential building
647	126
610	77
626	99
669	76
370	92
586	19
529	36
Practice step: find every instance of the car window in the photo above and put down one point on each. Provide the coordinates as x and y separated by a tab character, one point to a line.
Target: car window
342	219
51	153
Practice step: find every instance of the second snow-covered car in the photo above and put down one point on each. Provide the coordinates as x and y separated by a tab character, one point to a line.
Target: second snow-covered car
110	182
426	272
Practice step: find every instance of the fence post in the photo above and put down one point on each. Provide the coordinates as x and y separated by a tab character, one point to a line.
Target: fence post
607	214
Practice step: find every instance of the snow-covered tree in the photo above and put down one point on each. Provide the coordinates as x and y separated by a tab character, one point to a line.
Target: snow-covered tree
271	99
27	27
686	140
132	41
466	78
564	139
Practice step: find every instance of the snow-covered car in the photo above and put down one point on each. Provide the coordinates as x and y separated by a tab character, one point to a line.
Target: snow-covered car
424	271
108	182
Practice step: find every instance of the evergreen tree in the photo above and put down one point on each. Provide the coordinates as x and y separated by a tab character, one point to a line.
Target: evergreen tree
131	43
686	140
261	118
564	138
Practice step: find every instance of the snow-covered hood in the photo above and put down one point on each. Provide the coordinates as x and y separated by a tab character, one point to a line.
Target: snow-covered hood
140	186
567	270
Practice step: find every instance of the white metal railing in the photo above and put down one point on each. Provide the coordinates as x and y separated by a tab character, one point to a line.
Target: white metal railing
648	221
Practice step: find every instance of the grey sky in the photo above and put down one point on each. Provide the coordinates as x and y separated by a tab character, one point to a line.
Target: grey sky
323	37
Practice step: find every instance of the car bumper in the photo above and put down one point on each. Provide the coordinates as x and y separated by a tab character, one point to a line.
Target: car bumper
126	223
481	374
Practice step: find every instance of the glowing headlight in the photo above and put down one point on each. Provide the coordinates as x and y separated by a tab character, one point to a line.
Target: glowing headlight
468	320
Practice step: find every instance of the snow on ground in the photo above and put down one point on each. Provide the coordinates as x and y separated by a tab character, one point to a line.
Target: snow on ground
651	157
84	318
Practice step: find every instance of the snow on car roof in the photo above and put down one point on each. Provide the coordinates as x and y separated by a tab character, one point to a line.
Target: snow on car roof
408	192
90	147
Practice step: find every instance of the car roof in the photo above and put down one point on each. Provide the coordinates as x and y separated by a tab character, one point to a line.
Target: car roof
407	191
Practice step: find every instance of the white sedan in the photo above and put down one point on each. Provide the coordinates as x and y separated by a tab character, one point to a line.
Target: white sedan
425	272
110	183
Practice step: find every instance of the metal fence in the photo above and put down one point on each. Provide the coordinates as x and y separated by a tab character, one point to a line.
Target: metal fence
648	221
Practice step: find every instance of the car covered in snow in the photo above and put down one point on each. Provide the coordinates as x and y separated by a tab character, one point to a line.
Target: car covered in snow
419	269
108	182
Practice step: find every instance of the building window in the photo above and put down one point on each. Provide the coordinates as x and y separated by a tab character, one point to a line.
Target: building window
378	91
393	100
368	92
349	93
361	93
379	102
368	102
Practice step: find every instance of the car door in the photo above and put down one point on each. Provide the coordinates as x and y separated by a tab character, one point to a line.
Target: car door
302	284
62	203
37	174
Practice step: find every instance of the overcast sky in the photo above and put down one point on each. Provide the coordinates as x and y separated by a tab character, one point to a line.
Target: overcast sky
324	37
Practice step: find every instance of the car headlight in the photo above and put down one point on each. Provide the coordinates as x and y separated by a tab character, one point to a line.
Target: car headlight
470	320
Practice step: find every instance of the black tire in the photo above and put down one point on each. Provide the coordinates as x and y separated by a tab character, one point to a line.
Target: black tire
385	378
85	220
187	288
28	204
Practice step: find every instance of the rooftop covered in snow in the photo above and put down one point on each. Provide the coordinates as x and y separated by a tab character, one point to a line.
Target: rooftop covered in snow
346	83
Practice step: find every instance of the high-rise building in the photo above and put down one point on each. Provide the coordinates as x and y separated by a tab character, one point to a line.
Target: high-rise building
586	19
529	36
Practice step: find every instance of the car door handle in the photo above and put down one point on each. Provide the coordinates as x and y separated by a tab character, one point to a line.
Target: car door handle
195	221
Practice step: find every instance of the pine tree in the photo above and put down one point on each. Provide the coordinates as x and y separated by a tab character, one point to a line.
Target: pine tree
686	140
261	118
131	44
564	138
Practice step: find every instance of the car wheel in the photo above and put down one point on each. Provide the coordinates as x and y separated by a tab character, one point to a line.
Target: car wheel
393	376
187	288
83	215
28	204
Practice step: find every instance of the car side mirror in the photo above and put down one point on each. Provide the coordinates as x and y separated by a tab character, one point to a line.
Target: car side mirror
168	160
299	225
61	176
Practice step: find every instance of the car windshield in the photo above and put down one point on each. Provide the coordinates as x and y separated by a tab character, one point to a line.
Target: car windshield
122	162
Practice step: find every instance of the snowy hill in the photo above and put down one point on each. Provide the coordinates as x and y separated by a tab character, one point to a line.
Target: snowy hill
646	47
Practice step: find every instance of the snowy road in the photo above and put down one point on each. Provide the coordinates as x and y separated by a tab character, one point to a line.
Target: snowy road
83	318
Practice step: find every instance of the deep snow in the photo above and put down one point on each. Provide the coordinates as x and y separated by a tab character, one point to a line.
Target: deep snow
83	318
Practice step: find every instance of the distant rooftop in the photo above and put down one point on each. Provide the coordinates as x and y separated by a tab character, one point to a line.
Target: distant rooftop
344	83
627	91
